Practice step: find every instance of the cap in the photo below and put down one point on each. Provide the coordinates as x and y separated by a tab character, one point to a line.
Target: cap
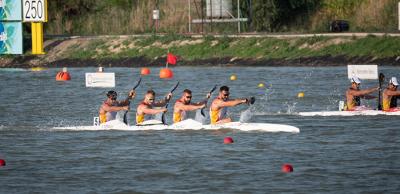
111	93
393	81
355	80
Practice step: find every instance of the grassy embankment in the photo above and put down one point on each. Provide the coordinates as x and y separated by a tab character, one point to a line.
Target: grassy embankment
255	48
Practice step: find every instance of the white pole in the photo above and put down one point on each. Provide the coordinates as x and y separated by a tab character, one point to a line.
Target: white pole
190	27
399	15
238	15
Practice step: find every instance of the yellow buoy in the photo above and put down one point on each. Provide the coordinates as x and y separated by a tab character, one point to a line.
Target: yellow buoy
261	85
300	95
233	77
38	69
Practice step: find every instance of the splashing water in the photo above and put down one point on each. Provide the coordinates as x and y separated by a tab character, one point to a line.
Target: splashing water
246	115
291	108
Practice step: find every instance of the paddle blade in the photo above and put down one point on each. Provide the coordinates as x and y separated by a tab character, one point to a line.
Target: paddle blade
381	77
137	83
213	89
163	119
202	112
252	100
174	88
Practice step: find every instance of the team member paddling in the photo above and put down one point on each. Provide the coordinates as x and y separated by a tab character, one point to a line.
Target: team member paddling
146	107
183	104
354	93
108	110
388	94
219	106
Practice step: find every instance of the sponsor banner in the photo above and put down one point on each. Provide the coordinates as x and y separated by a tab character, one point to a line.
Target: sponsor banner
11	38
10	10
363	71
101	80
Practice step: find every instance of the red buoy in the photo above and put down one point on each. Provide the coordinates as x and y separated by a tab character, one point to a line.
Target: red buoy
2	162
287	168
63	75
145	71
166	73
228	140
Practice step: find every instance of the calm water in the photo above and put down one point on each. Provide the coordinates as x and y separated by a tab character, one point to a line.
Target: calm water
329	155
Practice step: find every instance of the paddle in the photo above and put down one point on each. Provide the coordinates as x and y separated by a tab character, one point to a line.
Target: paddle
251	100
126	112
381	79
167	102
202	109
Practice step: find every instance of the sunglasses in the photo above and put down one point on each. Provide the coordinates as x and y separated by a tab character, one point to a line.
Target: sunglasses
151	99
227	94
188	97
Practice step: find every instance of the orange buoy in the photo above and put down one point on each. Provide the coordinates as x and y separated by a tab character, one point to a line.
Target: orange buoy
63	75
287	168
166	73
145	71
228	140
2	162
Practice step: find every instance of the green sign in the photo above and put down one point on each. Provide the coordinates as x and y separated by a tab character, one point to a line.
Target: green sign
11	38
10	10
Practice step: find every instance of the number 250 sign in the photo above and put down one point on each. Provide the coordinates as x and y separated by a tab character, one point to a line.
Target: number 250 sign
34	10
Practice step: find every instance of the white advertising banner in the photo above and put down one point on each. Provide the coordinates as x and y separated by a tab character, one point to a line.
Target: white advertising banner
100	80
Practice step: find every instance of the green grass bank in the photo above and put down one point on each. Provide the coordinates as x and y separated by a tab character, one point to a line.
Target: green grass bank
143	51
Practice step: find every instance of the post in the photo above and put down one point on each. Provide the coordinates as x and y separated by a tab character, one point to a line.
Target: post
238	15
211	18
399	16
202	17
37	38
190	27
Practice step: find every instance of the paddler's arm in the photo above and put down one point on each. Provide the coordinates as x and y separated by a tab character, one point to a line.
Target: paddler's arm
109	108
153	111
164	101
204	101
363	92
233	102
368	97
189	107
131	96
392	93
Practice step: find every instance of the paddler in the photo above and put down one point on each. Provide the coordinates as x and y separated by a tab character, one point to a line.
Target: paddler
184	104
389	96
146	107
110	107
354	94
219	106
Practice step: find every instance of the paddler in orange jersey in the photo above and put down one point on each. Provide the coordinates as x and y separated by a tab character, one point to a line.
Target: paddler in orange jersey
354	94
220	105
388	94
108	110
183	104
145	108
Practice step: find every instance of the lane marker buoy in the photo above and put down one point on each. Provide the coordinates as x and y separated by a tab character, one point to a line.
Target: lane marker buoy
145	71
166	73
63	75
228	140
2	162
233	77
300	95
287	168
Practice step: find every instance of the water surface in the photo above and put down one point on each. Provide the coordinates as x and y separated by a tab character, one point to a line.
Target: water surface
329	155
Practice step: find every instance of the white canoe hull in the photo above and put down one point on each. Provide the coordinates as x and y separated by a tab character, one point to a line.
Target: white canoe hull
188	124
349	113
